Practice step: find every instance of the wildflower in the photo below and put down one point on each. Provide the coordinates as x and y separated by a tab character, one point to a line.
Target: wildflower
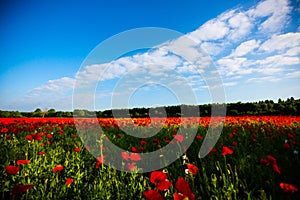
212	150
286	187
29	137
179	196
152	195
21	188
69	181
133	149
143	143
179	138
135	157
130	166
58	168
199	137
22	162
157	177
99	162
160	180
183	189
226	150
276	168
264	161
12	170
42	153
271	159
125	155
286	146
4	130
77	149
192	169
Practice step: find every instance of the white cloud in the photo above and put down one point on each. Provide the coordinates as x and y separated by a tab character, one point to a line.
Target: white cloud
293	74
263	79
241	26
246	47
294	51
211	30
58	85
277	60
277	13
281	42
233	66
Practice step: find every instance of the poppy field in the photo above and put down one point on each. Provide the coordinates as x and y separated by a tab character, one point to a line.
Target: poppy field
256	157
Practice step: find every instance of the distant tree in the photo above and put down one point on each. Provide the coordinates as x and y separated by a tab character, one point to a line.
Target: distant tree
38	110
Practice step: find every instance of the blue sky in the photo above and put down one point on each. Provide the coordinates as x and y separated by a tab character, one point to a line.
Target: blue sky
255	46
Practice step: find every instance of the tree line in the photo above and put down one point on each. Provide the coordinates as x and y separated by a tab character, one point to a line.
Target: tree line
289	106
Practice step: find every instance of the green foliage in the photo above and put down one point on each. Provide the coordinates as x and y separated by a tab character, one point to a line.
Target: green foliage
268	108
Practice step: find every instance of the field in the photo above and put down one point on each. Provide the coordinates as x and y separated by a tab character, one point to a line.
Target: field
44	158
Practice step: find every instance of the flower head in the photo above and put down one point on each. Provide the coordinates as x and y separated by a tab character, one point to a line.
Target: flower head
12	170
192	168
286	187
58	168
22	162
152	195
226	150
69	181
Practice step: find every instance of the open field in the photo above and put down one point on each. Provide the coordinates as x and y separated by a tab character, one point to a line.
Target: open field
44	158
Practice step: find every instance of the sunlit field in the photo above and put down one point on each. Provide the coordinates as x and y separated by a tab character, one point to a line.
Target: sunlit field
255	158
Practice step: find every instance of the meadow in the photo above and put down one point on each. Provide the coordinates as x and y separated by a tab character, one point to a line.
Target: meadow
256	157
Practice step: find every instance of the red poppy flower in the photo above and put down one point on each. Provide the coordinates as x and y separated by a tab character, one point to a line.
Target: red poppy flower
99	162
37	136
286	146
179	196
164	185
152	195
234	143
21	188
49	136
77	149
226	150
264	161
182	186
179	138
271	158
157	177
199	137
69	181
42	153
130	166
28	137
12	170
143	143
135	157
212	150
4	130
276	168
286	187
192	169
58	168
125	155
134	150
22	162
